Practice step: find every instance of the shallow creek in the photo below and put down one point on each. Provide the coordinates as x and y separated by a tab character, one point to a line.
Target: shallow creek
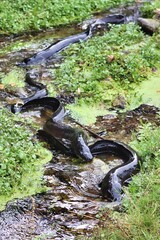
72	204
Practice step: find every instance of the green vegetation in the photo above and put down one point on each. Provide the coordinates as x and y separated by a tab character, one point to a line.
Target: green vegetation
96	71
21	163
14	79
78	112
99	69
140	219
21	15
153	84
149	7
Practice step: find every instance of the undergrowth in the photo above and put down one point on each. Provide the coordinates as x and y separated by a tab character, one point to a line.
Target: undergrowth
21	15
104	66
21	159
147	9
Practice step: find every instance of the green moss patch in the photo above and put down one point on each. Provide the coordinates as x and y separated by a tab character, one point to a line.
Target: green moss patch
86	114
150	90
21	160
14	79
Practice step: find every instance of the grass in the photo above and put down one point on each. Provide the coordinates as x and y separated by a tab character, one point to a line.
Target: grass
20	16
148	8
96	71
21	159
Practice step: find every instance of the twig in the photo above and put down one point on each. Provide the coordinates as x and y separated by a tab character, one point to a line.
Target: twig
88	130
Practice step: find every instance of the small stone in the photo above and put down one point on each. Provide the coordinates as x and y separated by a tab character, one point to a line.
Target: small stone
119	102
149	25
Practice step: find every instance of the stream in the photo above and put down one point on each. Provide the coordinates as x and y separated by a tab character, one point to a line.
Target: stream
73	205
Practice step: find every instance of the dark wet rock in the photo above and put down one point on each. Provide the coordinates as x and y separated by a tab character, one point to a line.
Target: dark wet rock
62	172
45	215
15	218
120	126
149	25
66	98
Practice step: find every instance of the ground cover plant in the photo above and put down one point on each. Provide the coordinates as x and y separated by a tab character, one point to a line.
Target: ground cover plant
104	66
22	161
148	8
19	16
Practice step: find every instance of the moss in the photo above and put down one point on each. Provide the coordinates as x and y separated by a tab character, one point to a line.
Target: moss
78	112
13	79
22	161
150	90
